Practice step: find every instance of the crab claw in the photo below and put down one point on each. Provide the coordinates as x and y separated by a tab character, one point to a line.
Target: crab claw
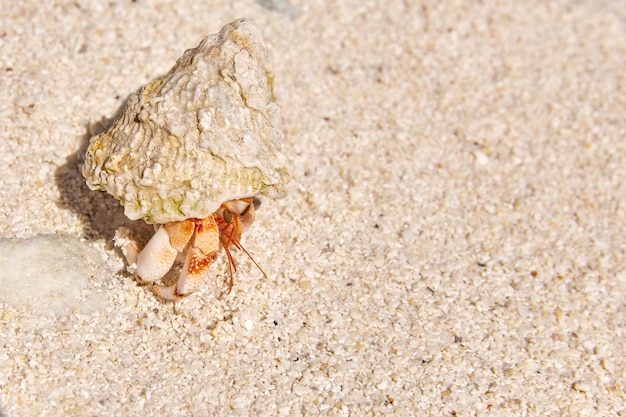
156	258
159	254
202	252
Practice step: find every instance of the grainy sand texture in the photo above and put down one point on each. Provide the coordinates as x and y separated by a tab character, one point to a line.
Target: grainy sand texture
453	241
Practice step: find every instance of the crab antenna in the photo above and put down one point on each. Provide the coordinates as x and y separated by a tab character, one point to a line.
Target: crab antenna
252	259
231	267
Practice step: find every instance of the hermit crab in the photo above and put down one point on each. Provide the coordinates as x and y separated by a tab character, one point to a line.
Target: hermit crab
189	153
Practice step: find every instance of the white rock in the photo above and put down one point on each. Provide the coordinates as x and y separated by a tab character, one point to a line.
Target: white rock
49	274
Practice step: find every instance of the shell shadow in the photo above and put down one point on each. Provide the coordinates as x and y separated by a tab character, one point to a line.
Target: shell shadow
100	213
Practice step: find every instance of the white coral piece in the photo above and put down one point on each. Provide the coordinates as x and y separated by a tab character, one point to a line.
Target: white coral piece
205	133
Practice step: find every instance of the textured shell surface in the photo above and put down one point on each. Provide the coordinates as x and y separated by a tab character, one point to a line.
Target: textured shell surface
205	133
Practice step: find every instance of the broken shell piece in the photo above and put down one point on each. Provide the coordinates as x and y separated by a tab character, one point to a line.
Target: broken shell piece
205	133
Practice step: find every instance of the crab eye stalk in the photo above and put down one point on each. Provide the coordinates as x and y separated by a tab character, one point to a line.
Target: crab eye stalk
227	215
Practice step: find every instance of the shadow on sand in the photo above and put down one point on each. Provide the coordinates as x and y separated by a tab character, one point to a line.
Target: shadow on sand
101	214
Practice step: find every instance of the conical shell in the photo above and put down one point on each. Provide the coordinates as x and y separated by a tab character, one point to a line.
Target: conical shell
205	133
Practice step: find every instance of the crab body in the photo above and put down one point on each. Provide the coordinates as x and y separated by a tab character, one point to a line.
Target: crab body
193	242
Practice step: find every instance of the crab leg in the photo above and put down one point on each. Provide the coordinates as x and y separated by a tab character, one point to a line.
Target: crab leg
202	252
128	245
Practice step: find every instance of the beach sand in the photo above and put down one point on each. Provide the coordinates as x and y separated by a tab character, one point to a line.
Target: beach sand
453	241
